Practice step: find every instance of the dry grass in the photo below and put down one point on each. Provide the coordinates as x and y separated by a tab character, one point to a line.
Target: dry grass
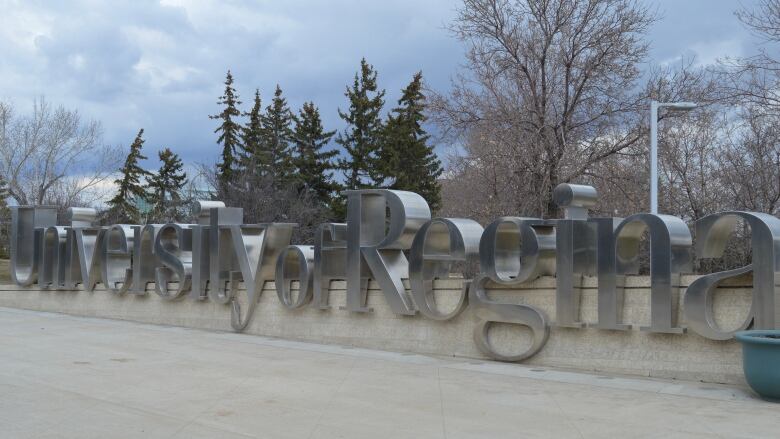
5	275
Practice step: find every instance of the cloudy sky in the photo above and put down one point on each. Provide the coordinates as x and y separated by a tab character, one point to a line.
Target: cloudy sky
160	64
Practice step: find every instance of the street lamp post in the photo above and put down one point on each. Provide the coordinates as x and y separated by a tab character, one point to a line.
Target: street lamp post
654	106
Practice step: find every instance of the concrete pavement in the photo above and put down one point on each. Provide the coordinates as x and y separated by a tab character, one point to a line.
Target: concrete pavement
75	377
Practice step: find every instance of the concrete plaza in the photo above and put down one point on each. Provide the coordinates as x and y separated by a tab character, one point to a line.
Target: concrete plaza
75	377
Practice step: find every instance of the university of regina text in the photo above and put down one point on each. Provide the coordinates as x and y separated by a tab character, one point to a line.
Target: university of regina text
389	236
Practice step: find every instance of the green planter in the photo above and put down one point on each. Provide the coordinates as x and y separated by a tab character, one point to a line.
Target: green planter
761	361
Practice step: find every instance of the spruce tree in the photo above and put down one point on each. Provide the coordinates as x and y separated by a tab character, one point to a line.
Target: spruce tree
364	126
406	161
130	190
274	152
252	138
312	164
229	130
165	188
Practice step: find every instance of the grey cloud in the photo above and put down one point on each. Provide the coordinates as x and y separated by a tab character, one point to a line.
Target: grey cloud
160	65
96	63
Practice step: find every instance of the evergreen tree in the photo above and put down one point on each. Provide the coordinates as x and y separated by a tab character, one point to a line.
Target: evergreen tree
229	130
131	192
364	126
274	155
406	161
312	164
252	138
165	188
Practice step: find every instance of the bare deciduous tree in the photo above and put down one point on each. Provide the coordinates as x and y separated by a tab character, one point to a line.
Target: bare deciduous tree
755	79
548	92
51	156
750	163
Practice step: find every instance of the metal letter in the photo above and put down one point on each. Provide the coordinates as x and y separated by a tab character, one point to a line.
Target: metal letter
222	257
575	250
297	259
379	245
439	243
257	249
144	258
610	283
173	247
26	240
83	253
200	247
52	257
712	234
512	250
670	254
330	261
116	258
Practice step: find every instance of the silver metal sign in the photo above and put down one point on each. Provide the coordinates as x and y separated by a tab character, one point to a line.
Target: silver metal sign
390	237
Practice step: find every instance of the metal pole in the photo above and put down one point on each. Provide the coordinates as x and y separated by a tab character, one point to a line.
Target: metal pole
654	157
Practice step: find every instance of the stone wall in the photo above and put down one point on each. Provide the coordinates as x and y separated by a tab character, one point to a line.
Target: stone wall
688	356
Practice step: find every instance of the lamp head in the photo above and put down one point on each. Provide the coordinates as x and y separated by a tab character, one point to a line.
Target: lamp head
679	106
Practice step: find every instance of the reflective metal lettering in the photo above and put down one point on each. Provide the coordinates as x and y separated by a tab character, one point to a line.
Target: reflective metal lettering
610	283
26	223
670	254
438	244
145	260
257	249
712	234
222	257
512	251
575	241
52	257
173	247
380	245
116	258
200	247
330	261
295	263
83	249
